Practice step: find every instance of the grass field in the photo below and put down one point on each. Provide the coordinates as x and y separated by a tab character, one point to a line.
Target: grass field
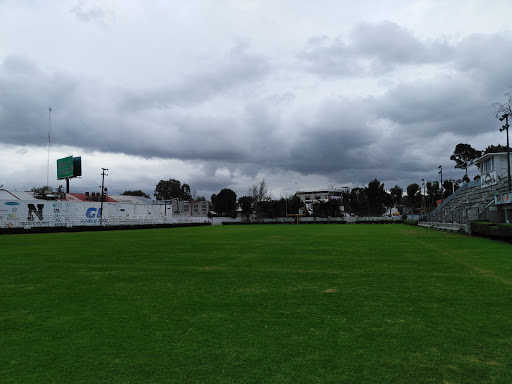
256	304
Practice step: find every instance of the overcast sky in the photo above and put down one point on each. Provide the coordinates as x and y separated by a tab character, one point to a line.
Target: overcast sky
223	94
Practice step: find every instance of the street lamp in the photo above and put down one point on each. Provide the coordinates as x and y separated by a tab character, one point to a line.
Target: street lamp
503	128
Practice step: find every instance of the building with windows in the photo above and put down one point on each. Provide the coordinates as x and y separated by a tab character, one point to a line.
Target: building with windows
493	167
319	194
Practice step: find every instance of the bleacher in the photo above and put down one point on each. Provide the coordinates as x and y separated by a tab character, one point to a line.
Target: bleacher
470	202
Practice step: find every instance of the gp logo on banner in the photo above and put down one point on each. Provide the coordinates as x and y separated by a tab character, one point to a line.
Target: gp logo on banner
93	213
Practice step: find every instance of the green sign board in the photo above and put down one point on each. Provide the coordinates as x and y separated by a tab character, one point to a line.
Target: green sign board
65	167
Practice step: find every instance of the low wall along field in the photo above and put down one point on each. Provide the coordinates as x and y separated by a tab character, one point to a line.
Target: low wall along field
56	213
256	304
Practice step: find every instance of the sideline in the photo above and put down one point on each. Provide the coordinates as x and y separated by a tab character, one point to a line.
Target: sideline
484	272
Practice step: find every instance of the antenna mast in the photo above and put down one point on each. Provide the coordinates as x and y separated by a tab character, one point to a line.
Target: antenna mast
49	135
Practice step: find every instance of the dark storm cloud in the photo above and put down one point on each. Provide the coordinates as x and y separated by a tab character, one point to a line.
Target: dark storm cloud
438	106
423	116
486	59
239	67
25	95
336	137
85	115
234	116
371	49
387	45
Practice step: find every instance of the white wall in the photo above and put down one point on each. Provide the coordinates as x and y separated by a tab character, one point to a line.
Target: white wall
47	213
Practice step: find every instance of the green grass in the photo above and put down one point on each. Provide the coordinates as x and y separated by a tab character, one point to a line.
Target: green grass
256	304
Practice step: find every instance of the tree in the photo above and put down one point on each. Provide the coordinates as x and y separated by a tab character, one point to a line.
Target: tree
495	149
294	205
271	208
258	192
136	193
396	194
375	193
449	186
245	202
464	156
185	192
225	202
432	190
330	208
388	201
413	192
503	108
359	201
42	190
172	189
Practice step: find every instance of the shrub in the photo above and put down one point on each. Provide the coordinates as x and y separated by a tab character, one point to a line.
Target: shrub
493	231
498	231
505	231
480	228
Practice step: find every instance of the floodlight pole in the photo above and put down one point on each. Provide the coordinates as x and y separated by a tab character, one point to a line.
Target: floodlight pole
503	128
423	202
103	174
441	172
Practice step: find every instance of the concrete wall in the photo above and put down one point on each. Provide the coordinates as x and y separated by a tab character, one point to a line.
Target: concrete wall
47	213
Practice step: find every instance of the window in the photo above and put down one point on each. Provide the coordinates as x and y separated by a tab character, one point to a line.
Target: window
488	165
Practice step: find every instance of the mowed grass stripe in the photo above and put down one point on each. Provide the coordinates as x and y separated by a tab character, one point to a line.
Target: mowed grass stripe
324	303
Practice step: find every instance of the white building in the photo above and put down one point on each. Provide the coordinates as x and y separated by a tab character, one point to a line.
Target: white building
493	168
319	194
493	171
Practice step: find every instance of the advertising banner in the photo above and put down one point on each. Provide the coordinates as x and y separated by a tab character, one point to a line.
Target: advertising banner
505	198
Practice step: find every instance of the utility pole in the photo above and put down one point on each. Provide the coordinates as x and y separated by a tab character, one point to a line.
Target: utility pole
503	128
103	189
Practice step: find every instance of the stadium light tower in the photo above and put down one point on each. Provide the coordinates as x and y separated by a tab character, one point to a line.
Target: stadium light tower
503	128
423	205
441	172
